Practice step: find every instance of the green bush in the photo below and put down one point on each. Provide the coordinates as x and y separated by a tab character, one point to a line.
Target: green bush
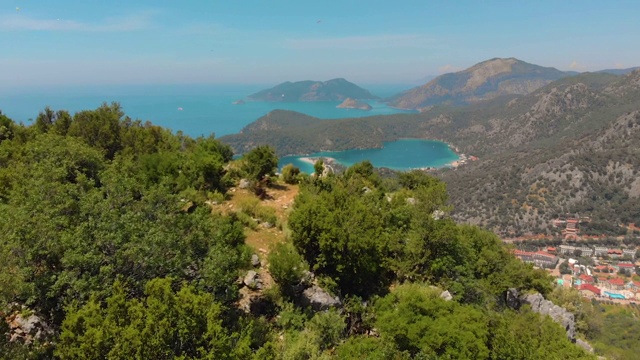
286	265
290	174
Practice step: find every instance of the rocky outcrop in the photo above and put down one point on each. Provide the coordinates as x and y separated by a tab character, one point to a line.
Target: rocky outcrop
319	299
350	103
558	314
27	329
543	307
252	280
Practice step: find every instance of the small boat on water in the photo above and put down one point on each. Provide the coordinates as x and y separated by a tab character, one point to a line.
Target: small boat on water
180	109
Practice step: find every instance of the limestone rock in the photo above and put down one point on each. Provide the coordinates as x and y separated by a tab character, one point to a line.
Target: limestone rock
585	345
252	280
557	313
255	260
244	184
446	295
319	299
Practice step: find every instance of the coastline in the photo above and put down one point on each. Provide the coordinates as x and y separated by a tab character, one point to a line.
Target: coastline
453	163
312	160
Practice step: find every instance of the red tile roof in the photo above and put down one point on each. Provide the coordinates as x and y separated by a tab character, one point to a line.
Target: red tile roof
589	287
626	265
587	278
616	281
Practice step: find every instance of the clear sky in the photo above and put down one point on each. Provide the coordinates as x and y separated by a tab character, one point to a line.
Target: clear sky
66	42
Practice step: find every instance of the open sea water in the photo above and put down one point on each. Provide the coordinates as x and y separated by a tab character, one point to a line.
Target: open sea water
201	110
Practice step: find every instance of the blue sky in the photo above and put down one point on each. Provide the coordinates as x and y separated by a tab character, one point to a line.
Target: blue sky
67	42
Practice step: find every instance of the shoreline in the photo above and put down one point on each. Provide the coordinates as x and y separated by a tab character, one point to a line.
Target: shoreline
310	160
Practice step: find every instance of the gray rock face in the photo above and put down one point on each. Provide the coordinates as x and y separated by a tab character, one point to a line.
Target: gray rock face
319	299
557	313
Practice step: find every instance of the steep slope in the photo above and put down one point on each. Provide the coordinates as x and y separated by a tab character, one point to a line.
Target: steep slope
332	90
483	81
573	151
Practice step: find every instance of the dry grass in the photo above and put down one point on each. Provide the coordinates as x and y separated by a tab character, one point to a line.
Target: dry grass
280	199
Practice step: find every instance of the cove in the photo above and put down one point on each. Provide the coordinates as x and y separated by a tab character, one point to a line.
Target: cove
403	154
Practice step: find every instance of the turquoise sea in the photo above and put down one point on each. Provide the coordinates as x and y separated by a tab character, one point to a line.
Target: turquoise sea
404	154
200	110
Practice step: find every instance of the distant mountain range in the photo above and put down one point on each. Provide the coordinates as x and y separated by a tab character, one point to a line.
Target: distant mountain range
619	71
332	90
484	81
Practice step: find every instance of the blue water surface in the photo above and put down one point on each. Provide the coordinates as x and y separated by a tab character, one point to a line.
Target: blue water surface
201	110
403	154
193	109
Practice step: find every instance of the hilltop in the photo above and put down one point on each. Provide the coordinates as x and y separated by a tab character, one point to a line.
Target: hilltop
486	80
332	90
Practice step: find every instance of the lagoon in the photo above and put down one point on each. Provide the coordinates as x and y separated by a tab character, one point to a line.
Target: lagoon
403	154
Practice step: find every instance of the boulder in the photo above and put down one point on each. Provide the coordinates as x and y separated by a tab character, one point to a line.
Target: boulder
252	280
319	299
255	260
446	295
244	184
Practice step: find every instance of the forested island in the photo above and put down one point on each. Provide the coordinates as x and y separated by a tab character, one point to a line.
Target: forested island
309	90
121	239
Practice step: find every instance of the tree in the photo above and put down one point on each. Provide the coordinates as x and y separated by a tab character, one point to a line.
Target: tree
165	324
290	174
286	266
318	167
417	320
260	162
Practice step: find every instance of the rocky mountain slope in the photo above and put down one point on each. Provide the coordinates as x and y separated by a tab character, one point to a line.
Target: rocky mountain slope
486	80
332	90
571	147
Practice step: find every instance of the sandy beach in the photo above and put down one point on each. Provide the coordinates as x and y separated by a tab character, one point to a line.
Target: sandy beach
313	160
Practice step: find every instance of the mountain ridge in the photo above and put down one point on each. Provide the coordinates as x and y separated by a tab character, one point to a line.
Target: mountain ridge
486	80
